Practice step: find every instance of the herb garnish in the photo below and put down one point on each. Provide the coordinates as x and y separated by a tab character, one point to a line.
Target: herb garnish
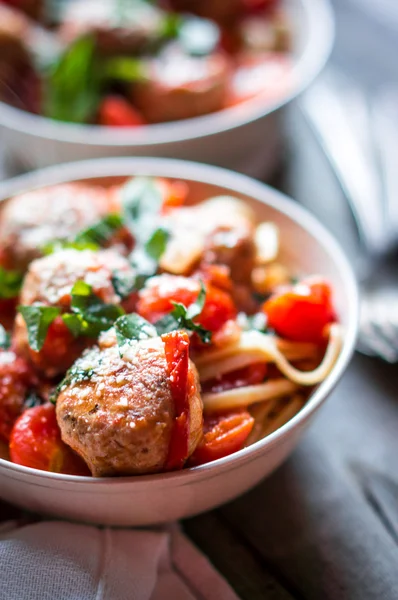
76	374
133	327
38	319
181	317
10	283
142	200
91	238
5	340
89	316
74	84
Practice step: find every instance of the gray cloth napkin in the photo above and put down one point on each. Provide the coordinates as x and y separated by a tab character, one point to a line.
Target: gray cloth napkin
66	561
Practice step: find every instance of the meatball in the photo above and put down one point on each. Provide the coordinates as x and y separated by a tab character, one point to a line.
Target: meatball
220	230
117	29
33	219
49	282
180	86
16	379
117	412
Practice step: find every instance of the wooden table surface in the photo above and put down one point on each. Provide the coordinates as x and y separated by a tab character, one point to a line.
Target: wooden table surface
325	525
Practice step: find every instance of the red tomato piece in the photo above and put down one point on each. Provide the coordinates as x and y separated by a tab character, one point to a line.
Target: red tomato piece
157	299
174	193
36	442
176	346
223	435
60	348
16	378
250	375
302	312
116	111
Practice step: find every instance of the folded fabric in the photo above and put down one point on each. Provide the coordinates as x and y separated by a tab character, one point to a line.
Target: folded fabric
66	561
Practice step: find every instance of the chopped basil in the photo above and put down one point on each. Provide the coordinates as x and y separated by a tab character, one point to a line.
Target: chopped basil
90	315
125	68
10	283
38	319
181	317
76	374
142	200
5	340
73	84
133	327
170	25
156	245
58	245
101	232
91	238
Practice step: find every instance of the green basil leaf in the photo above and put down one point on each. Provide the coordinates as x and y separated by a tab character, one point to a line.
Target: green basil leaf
38	319
101	232
91	238
181	317
5	340
94	315
73	323
72	89
133	327
58	245
76	374
125	68
170	25
156	245
10	283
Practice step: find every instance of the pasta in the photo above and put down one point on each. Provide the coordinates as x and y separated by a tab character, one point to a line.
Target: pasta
146	335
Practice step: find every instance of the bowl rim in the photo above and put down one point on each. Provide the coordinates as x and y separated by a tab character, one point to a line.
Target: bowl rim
238	184
316	52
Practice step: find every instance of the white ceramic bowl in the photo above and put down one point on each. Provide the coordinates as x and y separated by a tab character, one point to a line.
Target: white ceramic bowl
143	500
245	138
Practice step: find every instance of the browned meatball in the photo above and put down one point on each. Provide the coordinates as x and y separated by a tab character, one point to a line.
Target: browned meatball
180	86
33	219
49	282
117	412
118	28
220	231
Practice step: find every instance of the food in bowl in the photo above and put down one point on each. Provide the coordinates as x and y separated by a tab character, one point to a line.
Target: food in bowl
132	63
151	335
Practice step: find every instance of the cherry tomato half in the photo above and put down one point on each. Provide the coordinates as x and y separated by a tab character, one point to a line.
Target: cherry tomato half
116	111
36	442
157	299
302	312
223	435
